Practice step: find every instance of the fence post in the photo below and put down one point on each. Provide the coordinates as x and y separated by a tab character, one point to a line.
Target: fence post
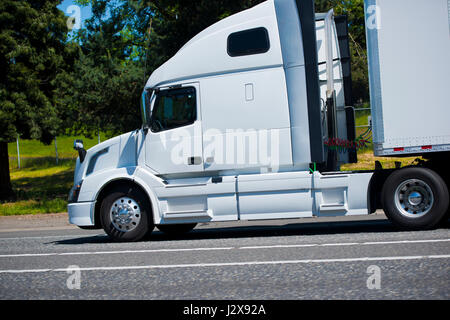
56	151
18	152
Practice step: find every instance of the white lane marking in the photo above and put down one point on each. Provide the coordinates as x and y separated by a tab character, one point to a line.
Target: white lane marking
48	237
225	264
111	252
38	229
145	251
406	241
219	248
337	244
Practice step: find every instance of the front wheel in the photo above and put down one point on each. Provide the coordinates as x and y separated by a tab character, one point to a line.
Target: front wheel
415	198
125	214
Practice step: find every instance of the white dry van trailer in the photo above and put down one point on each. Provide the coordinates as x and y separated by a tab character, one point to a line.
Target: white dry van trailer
237	125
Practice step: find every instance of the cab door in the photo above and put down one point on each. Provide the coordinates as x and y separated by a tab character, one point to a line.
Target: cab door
174	139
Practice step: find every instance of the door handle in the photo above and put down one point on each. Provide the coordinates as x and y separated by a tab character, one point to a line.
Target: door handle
194	161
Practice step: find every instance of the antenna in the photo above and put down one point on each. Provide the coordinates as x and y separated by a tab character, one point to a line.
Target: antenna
147	47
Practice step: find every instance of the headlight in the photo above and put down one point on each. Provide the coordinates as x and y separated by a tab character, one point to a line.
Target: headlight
75	192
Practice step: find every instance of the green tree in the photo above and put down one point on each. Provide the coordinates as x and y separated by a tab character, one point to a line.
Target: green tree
108	75
32	53
118	52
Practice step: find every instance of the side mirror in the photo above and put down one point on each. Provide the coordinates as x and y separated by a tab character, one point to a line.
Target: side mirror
78	145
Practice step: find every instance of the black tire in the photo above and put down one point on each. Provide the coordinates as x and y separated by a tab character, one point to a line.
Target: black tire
139	229
88	227
445	219
430	193
176	229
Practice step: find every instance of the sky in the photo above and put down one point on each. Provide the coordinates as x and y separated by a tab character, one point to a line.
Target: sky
71	9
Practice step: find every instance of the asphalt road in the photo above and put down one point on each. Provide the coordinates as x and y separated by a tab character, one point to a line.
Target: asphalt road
327	258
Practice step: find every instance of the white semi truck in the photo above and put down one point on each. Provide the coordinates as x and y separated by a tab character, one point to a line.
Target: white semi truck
236	125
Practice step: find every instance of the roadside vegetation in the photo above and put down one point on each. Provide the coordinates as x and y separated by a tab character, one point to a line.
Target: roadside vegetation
42	185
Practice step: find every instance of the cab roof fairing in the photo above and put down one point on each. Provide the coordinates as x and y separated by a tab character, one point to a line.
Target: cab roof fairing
206	53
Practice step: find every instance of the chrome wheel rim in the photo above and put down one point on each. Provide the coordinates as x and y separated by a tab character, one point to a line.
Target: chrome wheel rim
413	198
125	214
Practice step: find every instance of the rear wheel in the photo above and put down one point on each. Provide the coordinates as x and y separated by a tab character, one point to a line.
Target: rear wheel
125	214
415	198
176	229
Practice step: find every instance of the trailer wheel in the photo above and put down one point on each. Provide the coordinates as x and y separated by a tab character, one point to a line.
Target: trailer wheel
176	229
415	198
125	214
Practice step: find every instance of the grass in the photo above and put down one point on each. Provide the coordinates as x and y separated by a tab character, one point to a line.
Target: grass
36	149
23	207
42	186
366	161
43	182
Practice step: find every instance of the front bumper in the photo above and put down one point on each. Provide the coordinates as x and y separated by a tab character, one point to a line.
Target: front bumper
81	213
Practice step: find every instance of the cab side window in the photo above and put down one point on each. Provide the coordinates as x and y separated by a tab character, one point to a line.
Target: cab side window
174	108
248	42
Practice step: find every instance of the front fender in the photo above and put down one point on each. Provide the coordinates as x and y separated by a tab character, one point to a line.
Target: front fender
97	181
148	182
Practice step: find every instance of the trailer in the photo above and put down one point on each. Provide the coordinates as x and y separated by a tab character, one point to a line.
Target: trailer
408	54
248	121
